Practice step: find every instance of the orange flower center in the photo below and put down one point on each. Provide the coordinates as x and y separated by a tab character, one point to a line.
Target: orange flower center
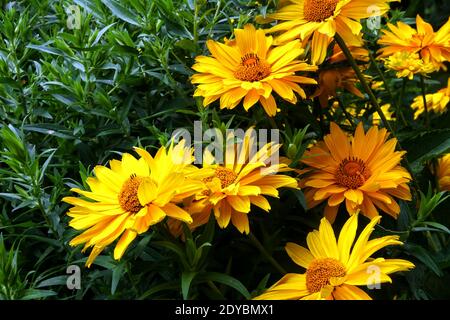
352	173
225	175
252	68
319	10
320	271
128	195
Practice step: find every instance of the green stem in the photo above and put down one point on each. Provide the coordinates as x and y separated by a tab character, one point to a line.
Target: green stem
402	93
264	252
363	81
344	111
319	111
388	89
214	20
273	123
424	96
195	31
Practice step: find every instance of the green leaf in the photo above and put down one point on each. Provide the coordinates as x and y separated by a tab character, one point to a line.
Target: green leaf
44	48
55	281
117	273
422	254
172	285
437	226
121	12
224	279
101	33
186	280
50	129
426	146
187	45
33	294
301	198
428	202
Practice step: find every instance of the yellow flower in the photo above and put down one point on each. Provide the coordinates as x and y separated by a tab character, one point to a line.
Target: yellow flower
433	47
245	178
130	196
356	47
407	64
376	120
334	269
333	75
363	171
336	78
436	102
443	172
377	85
250	69
320	20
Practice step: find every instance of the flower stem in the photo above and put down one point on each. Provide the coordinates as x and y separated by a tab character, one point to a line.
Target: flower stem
402	93
273	123
266	255
363	81
388	89
424	96
195	26
346	114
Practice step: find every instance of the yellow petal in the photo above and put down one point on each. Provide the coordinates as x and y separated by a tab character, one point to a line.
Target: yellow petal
299	255
177	213
127	237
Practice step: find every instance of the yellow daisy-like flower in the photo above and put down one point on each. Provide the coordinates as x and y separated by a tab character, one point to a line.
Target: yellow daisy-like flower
407	64
333	76
334	269
320	20
250	69
433	47
443	172
363	171
245	178
131	195
436	102
376	120
330	80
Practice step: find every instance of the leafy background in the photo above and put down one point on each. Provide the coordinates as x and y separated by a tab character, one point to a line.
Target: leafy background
71	99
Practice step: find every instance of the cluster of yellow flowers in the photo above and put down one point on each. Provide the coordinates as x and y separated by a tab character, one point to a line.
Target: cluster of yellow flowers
134	194
361	171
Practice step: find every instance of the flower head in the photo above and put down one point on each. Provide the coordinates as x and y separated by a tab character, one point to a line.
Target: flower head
408	64
443	172
363	171
436	102
334	268
433	47
130	196
245	178
333	75
330	80
376	119
320	20
250	69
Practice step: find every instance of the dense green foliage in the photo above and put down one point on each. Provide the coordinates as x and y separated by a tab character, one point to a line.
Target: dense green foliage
74	98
